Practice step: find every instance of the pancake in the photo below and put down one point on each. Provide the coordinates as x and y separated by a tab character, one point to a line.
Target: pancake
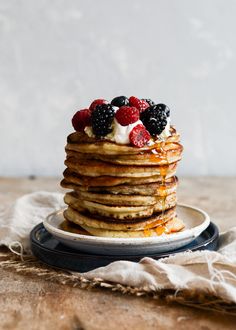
150	189
118	199
85	144
80	183
73	228
121	211
172	226
167	154
86	219
95	168
109	181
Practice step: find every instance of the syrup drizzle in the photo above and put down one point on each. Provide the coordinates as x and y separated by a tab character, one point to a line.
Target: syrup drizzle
163	175
160	154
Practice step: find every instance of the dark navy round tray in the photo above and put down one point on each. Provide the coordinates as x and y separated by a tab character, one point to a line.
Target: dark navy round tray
49	250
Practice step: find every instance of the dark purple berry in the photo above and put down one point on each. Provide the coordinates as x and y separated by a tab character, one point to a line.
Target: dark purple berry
154	119
120	101
101	119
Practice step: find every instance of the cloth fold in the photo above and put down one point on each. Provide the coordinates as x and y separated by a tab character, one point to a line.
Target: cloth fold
213	273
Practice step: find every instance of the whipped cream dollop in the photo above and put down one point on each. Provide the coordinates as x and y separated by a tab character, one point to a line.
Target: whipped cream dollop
120	134
166	132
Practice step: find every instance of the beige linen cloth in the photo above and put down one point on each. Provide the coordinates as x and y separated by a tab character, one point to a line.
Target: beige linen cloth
212	274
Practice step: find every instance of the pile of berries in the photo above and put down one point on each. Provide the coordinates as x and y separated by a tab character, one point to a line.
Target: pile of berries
101	114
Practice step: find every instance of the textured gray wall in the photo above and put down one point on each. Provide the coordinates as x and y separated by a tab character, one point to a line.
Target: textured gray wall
58	55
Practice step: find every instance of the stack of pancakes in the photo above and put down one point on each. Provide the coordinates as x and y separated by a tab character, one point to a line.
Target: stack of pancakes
120	190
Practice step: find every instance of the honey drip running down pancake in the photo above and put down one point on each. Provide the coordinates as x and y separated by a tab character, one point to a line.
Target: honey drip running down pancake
121	190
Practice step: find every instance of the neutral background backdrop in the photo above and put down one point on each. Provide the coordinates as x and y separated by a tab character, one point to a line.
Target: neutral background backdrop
58	55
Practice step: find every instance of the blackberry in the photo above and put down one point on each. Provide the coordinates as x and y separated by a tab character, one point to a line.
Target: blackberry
149	101
101	119
119	101
163	107
154	119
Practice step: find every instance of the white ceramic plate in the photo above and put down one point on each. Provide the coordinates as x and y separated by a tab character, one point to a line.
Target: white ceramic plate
195	220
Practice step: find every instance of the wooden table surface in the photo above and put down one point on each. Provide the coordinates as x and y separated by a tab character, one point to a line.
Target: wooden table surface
28	302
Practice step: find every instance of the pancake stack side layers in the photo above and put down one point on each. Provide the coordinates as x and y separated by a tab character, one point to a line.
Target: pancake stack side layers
121	166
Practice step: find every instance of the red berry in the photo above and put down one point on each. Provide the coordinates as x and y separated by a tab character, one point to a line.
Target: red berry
97	102
139	136
127	115
137	103
81	119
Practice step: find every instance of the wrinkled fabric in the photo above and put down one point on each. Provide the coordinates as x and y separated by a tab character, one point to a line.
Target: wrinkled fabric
17	221
213	272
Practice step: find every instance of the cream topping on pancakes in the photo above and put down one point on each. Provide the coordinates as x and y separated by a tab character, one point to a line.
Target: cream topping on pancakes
166	133
120	134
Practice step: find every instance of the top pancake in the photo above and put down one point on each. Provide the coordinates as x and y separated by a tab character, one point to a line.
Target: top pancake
80	142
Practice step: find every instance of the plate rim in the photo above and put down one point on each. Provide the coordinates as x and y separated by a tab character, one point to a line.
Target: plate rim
40	226
174	237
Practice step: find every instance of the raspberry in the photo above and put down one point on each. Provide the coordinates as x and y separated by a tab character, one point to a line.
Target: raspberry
81	119
139	136
149	101
141	105
95	103
101	119
127	115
